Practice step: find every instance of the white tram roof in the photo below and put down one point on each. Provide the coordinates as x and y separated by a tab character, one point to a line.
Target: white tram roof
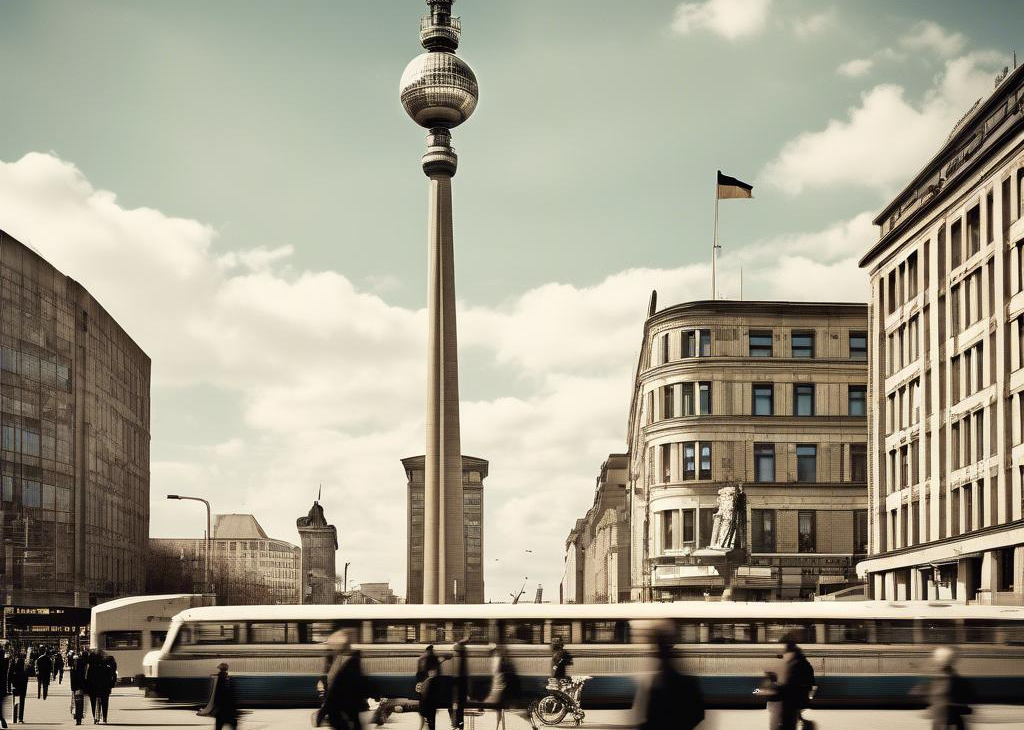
119	603
807	610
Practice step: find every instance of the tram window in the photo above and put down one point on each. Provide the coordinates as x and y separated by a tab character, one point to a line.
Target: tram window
775	632
317	632
979	632
1013	633
562	630
895	632
689	632
941	632
122	640
722	632
522	632
278	632
605	632
157	638
395	632
207	632
847	632
434	633
471	632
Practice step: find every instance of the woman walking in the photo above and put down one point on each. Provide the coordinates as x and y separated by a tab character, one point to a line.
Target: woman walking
17	678
505	685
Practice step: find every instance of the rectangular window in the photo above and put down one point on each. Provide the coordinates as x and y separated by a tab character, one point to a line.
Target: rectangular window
686	399
689	461
670	529
395	632
858	462
664	348
689	533
762	530
912	276
705	398
522	632
763	398
803	400
803	344
120	640
668	401
956	250
666	462
858	400
273	633
605	632
705	461
860	531
858	346
689	343
979	435
764	462
806	539
974	229
761	343
705	342
806	463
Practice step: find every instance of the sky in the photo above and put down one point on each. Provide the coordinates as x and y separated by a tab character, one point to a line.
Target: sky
238	185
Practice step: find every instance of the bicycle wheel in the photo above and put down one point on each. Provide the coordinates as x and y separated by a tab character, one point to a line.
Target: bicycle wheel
551	710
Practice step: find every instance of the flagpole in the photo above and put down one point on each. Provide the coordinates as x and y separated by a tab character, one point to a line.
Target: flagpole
714	249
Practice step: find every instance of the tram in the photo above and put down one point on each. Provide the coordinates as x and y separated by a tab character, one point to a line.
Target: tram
129	628
863	653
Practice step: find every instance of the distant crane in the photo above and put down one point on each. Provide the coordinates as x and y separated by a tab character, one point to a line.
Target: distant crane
519	594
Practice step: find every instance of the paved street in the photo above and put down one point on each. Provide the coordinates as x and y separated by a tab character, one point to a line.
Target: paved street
129	708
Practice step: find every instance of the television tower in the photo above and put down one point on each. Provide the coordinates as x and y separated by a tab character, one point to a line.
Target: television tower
439	91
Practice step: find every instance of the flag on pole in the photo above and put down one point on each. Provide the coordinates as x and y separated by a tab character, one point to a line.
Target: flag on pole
730	187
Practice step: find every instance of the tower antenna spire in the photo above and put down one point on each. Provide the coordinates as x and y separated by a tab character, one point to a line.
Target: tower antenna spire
319	490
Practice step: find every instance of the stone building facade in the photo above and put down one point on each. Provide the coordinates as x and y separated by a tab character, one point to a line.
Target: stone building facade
754	412
319	548
474	471
74	452
947	368
241	551
597	549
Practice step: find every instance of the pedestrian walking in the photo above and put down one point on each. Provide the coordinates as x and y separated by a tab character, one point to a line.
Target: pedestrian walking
506	688
44	670
101	680
949	694
668	699
58	667
223	704
4	667
17	678
428	684
347	689
795	685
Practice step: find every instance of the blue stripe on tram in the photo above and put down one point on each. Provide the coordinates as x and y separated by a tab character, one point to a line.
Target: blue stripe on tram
600	691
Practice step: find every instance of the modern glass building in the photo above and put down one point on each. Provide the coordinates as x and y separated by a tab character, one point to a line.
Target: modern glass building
74	441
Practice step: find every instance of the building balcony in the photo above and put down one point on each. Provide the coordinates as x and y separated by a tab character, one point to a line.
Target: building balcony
440	34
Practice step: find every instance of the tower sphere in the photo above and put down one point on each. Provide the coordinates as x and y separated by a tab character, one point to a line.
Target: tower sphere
438	89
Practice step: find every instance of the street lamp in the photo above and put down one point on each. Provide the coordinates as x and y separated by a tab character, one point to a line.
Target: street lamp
206	561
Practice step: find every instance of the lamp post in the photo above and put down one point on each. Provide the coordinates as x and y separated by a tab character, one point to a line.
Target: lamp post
206	544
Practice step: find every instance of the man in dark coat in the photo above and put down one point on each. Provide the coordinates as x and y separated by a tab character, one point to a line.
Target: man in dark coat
428	681
4	666
668	700
223	704
346	691
17	679
460	687
101	680
796	680
560	660
78	666
949	695
58	667
44	669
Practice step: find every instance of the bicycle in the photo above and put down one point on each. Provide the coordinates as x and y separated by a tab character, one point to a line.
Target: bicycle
562	698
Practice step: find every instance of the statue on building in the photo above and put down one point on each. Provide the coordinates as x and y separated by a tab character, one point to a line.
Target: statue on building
727	522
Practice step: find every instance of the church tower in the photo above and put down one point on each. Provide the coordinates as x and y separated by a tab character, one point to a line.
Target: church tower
319	545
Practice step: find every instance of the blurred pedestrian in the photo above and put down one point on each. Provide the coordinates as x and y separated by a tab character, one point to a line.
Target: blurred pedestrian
223	704
44	669
102	678
17	678
668	699
428	681
346	687
796	682
4	666
561	660
460	686
949	694
58	667
77	681
506	688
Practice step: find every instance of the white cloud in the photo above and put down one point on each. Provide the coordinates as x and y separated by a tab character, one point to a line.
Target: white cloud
930	36
855	68
731	19
330	378
886	137
815	24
